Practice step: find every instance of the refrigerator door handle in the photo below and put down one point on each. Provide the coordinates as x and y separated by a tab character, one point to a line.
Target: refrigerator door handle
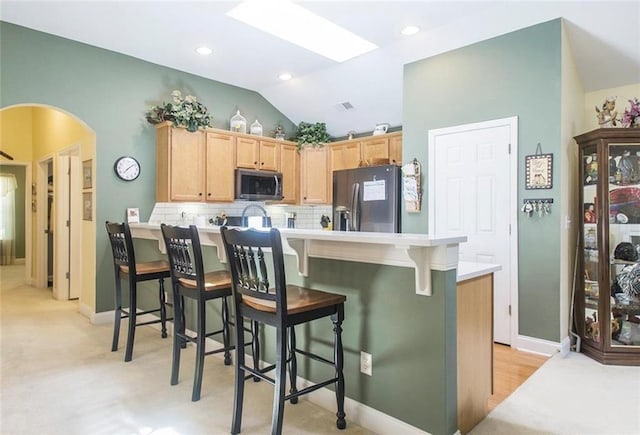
355	207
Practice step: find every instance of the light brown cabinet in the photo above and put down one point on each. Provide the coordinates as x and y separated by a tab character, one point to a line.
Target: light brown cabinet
344	155
289	166
180	164
193	167
220	152
252	153
475	349
314	178
395	149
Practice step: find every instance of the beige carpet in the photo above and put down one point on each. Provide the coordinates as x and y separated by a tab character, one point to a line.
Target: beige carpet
58	376
572	395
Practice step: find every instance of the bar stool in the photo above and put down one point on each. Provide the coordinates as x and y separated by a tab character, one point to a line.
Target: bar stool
282	306
189	280
124	264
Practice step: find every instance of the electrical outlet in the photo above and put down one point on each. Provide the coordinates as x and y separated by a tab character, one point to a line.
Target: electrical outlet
366	364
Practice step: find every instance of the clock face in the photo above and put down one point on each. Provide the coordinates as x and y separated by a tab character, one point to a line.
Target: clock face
127	168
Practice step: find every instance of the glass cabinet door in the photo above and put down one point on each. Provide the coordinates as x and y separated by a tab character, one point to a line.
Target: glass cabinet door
591	263
624	243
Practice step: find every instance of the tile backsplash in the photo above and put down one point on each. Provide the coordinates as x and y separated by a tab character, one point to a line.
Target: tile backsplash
183	213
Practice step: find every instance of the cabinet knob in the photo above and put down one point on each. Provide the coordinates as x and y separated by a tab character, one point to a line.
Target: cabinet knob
255	163
200	194
208	194
261	163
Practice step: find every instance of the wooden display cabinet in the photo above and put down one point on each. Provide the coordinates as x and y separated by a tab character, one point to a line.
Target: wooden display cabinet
607	297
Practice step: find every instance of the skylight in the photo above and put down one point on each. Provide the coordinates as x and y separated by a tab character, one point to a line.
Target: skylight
302	27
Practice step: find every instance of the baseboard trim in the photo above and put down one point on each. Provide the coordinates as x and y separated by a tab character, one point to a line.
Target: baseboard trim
19	261
358	413
96	318
537	345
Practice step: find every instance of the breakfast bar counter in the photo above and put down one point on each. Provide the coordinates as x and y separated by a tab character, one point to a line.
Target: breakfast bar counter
419	251
410	304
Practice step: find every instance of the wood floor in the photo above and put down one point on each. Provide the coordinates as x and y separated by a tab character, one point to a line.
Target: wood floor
511	368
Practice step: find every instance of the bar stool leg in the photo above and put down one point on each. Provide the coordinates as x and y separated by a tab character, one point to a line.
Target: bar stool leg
255	348
200	343
178	328
225	332
293	364
337	318
133	297
279	390
163	309
238	396
118	313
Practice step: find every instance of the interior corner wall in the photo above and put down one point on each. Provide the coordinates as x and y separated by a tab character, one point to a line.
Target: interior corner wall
595	99
111	92
16	132
517	74
572	124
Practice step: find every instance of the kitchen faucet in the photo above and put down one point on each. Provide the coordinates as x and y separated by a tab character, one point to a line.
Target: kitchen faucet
250	206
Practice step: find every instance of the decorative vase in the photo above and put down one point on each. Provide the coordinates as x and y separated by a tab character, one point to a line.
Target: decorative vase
256	128
238	123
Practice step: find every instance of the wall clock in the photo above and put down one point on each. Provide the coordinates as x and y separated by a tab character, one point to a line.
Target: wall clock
127	168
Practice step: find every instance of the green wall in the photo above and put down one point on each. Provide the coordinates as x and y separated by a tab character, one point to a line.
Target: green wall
19	172
518	74
110	92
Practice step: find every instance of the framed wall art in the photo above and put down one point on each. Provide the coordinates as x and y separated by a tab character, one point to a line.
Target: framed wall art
87	206
87	174
539	170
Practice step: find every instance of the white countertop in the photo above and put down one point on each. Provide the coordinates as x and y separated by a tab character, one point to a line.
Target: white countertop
467	270
423	252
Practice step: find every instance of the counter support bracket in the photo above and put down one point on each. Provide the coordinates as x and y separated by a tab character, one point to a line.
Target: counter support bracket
301	249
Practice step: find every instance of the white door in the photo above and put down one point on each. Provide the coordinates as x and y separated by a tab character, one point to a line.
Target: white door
472	191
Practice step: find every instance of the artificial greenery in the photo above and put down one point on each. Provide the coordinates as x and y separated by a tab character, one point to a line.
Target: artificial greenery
183	112
312	134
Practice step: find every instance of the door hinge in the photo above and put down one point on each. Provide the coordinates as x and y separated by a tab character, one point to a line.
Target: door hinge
67	275
509	309
509	148
509	229
68	224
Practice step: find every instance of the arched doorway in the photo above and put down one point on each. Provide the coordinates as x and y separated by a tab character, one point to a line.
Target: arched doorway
61	148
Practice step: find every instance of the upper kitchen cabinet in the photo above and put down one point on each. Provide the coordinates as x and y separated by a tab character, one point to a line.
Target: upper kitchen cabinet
289	166
180	164
314	171
253	153
395	148
194	167
220	150
344	155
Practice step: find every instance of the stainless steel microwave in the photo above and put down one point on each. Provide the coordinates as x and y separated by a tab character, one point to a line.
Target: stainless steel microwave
252	185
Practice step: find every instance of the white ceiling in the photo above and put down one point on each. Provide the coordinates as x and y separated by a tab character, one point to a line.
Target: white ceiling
604	37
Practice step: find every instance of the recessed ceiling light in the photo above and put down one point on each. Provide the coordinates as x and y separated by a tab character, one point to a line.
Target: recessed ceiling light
302	27
410	30
285	76
205	51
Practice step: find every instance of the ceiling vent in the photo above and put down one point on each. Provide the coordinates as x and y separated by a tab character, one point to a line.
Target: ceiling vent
344	106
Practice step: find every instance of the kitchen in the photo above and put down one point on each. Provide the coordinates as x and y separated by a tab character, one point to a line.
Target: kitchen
424	102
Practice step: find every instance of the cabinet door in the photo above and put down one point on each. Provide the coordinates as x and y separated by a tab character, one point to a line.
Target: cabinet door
269	155
344	156
289	166
247	152
315	179
374	150
221	154
395	150
186	165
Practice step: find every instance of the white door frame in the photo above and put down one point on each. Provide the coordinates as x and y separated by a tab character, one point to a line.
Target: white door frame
41	221
512	123
67	240
28	193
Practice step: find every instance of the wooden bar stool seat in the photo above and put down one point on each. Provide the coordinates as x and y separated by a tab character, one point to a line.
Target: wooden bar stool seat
126	266
261	294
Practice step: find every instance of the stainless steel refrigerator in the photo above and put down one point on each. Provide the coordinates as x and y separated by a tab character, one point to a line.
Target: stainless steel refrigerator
367	199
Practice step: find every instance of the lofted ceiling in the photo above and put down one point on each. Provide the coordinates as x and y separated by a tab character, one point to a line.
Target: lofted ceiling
604	37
